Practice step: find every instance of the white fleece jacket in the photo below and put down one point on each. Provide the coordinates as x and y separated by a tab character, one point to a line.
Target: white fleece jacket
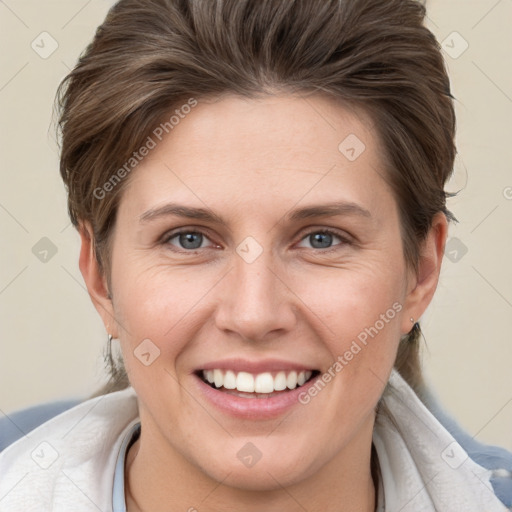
67	464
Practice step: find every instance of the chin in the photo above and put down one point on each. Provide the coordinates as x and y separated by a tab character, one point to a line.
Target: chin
265	478
251	470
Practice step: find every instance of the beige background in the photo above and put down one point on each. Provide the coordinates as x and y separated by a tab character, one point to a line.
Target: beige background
51	337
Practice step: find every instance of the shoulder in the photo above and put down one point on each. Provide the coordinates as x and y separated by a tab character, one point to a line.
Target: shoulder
416	450
494	458
68	462
17	424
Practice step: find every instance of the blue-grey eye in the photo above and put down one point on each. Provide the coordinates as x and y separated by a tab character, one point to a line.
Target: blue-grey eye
321	240
190	240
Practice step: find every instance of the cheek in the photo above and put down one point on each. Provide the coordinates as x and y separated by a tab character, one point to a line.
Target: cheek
350	304
358	316
159	312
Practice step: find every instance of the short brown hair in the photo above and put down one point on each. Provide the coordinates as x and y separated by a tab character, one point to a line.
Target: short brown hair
150	56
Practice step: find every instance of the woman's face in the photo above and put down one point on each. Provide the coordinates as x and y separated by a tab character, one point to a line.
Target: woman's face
290	259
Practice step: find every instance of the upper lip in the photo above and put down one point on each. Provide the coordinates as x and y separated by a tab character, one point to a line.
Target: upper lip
261	366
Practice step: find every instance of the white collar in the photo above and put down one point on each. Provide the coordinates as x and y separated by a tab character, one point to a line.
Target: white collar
423	468
68	463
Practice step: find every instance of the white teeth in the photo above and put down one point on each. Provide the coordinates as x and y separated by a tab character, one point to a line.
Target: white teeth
230	380
218	378
245	382
280	381
260	383
291	380
264	383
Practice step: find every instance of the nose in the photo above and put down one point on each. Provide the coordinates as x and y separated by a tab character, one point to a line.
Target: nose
255	302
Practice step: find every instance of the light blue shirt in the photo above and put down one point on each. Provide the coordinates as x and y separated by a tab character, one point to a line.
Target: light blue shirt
118	499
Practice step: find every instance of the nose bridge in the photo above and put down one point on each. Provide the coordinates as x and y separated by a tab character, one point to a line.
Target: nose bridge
256	302
256	279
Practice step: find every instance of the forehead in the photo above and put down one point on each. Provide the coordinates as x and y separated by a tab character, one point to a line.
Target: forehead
263	153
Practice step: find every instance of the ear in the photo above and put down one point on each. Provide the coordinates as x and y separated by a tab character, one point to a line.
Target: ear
423	284
95	280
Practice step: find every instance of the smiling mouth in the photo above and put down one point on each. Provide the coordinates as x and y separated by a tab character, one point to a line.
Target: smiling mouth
261	385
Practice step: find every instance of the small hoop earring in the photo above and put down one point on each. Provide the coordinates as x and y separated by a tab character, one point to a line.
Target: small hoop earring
108	356
415	327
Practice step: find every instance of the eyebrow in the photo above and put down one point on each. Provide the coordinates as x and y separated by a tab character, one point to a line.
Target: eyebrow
179	210
329	210
206	214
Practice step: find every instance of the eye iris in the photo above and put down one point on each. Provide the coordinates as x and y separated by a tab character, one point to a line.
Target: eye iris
189	240
193	240
325	240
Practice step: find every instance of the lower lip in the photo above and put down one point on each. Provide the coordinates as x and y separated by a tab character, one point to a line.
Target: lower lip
253	408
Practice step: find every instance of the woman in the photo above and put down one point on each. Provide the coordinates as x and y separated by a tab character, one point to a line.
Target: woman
259	192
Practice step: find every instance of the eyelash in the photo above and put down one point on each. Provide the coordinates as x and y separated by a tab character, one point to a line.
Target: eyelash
173	234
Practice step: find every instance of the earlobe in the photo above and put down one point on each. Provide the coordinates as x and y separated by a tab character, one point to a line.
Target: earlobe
95	279
425	281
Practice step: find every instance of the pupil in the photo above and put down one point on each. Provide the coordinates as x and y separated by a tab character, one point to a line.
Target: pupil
190	240
324	239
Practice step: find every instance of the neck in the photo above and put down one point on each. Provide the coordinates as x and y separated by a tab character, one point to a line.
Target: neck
159	480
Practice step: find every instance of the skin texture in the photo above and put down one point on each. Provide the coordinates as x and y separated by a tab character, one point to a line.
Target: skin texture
252	162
